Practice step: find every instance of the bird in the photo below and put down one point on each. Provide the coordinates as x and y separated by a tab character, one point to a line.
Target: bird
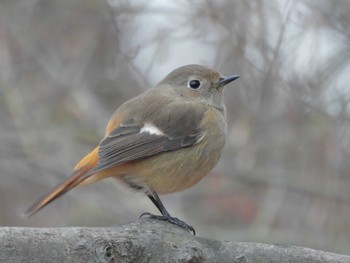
162	141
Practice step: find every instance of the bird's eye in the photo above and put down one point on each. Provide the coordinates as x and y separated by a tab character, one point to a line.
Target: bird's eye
194	84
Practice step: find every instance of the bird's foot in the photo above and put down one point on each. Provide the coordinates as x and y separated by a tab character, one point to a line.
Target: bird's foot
172	220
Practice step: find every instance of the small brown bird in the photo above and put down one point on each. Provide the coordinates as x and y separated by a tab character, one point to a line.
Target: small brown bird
163	141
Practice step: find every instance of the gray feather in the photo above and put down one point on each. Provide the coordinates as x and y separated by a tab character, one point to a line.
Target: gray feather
126	143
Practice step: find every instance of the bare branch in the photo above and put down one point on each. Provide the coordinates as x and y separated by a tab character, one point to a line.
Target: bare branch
141	241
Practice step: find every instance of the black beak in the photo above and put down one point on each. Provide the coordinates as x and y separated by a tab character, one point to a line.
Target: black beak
227	80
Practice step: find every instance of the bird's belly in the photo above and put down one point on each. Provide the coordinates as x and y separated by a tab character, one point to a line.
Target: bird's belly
172	171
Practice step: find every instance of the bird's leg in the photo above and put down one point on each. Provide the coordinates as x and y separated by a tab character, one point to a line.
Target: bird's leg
165	214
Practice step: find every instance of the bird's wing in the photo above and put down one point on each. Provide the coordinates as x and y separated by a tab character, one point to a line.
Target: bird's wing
168	130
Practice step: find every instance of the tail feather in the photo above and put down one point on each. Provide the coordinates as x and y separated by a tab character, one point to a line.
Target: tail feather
81	173
56	192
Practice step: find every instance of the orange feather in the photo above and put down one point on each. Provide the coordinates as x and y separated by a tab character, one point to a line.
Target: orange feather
85	165
77	177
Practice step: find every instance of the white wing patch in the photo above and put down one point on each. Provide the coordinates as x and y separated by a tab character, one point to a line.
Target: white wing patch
151	129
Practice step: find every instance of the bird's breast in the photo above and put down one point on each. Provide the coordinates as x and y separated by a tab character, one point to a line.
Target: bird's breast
175	171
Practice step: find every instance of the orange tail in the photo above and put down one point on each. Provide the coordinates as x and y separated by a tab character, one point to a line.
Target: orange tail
84	166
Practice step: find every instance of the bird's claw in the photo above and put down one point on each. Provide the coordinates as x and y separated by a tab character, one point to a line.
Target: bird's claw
172	220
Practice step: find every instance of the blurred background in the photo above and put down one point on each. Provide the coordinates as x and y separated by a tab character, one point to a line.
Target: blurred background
284	177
